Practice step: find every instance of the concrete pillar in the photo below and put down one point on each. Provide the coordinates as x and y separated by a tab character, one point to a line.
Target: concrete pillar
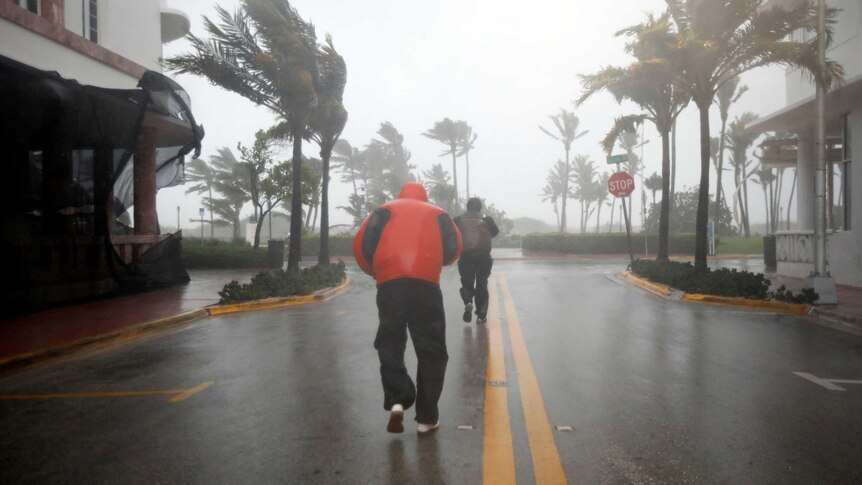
54	11
854	196
144	170
805	157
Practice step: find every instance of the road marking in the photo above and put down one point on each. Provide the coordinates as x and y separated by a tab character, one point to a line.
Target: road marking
547	466
179	394
498	455
827	383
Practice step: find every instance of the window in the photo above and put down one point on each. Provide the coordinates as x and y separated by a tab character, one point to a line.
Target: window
30	5
90	19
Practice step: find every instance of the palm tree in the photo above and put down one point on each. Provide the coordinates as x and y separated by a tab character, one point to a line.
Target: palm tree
351	161
204	177
716	42
449	133
765	178
567	132
584	177
230	178
727	94
266	52
556	188
440	192
648	83
600	190
465	145
653	184
325	124
739	140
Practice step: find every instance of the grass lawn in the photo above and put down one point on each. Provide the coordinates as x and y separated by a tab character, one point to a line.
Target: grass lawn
740	245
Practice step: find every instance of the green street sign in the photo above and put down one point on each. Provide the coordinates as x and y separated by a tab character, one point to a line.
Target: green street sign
618	159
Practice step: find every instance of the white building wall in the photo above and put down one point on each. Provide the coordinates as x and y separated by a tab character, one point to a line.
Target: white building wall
40	52
845	249
133	30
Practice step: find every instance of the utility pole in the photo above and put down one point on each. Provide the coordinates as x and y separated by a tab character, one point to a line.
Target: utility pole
820	280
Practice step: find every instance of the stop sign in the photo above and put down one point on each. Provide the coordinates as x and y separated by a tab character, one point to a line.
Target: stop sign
621	184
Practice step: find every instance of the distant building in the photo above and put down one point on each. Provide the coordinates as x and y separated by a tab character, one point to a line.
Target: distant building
90	130
795	249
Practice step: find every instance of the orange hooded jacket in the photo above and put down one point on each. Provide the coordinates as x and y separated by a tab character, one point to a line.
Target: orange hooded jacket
407	238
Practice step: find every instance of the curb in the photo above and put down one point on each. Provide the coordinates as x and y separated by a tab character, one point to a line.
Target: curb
140	329
122	334
665	292
284	302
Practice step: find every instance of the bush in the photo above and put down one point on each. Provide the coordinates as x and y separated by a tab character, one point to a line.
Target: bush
278	283
223	256
339	245
612	243
721	282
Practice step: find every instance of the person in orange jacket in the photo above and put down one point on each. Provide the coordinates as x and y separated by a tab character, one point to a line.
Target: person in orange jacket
404	245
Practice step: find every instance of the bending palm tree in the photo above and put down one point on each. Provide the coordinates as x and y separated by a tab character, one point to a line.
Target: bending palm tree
646	82
204	177
449	133
716	42
265	52
465	145
567	132
727	94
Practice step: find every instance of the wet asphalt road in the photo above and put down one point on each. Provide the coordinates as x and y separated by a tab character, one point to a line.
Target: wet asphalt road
654	392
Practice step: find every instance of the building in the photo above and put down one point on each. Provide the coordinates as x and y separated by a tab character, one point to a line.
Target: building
795	249
90	130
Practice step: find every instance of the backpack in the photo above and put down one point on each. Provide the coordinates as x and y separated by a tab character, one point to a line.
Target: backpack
475	234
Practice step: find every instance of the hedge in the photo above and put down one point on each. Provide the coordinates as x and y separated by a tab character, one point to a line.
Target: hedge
278	283
612	243
339	245
222	256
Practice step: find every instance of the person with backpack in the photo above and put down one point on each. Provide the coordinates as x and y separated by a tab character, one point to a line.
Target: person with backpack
475	263
403	245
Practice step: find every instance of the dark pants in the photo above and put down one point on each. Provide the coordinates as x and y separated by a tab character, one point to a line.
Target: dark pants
417	305
475	268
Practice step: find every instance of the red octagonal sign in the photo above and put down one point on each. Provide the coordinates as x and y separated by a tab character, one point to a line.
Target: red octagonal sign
621	184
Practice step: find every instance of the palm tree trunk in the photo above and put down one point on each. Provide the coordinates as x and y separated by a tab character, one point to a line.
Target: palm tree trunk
673	162
565	194
467	157
613	209
323	255
598	216
454	175
745	208
212	225
719	194
295	241
790	201
664	215
700	244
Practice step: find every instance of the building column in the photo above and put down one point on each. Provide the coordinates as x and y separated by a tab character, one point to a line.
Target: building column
805	156
144	170
54	11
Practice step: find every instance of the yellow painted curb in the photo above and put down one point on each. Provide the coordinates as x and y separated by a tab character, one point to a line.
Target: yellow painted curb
655	288
792	308
104	338
284	302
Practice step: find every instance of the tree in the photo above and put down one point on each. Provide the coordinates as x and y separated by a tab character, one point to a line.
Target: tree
556	188
566	124
653	184
449	133
387	163
716	42
685	215
584	177
204	177
739	140
230	178
351	161
601	194
727	94
440	192
648	82
266	52
465	145
764	177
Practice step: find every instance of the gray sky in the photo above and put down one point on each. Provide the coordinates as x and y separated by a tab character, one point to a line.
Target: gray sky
500	65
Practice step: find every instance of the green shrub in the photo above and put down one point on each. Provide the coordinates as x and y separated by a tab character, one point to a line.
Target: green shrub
223	256
608	243
721	282
278	283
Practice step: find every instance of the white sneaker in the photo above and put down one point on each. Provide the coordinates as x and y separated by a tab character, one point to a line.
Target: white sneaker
396	419
427	428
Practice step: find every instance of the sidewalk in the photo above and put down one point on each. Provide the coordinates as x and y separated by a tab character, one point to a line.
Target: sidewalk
28	333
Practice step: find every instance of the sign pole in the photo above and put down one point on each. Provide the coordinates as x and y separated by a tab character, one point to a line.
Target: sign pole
628	232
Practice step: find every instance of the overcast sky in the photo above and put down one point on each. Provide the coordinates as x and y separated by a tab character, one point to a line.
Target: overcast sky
500	65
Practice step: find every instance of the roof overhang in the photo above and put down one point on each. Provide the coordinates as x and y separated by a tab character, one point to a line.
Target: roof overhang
800	117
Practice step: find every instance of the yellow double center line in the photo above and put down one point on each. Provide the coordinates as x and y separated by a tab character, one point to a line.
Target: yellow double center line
498	453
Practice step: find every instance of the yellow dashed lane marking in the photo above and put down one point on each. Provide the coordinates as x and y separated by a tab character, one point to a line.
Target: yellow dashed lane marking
179	395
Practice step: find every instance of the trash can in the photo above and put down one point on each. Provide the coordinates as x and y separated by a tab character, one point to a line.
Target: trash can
275	254
770	259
